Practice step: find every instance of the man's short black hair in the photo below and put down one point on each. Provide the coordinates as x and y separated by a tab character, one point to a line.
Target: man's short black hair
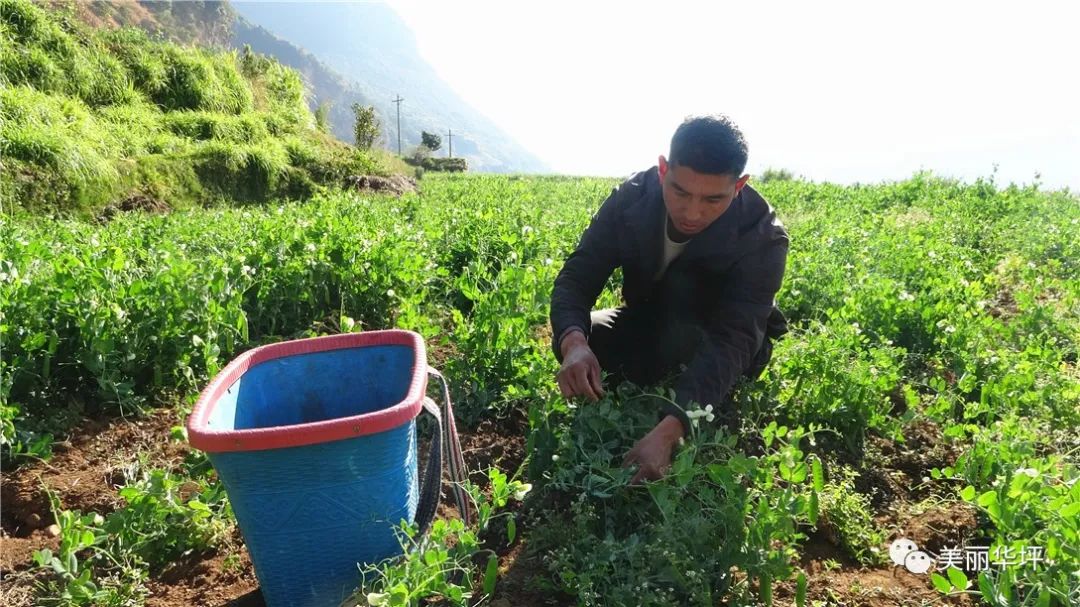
709	144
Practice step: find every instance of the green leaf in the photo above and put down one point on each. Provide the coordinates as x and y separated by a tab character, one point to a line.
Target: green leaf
766	590
491	573
800	590
957	578
511	530
814	508
986	587
798	473
819	475
242	326
967	493
990	497
346	324
1070	511
940	583
431	557
43	557
118	260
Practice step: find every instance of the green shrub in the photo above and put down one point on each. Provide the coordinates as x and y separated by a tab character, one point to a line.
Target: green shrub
836	376
848	520
450	165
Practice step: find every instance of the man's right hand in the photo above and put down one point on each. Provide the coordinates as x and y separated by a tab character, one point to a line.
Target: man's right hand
580	372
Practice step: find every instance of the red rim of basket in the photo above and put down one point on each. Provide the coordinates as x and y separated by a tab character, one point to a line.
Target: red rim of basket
297	435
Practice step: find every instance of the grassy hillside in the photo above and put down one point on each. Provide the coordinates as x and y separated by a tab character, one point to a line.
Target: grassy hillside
216	24
199	22
97	117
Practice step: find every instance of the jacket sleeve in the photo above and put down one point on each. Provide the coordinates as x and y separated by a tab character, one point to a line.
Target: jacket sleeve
585	272
736	328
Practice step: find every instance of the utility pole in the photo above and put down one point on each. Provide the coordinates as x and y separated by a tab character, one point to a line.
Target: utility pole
450	142
397	102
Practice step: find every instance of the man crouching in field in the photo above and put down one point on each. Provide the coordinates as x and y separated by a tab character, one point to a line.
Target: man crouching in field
703	256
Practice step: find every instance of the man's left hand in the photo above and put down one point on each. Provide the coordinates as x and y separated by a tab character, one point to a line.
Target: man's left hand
652	453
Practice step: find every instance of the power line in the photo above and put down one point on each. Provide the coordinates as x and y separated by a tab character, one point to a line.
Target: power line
397	102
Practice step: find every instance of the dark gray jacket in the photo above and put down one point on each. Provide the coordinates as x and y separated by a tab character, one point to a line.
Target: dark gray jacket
733	270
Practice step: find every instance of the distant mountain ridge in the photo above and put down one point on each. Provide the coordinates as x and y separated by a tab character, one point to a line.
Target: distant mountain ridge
372	46
347	53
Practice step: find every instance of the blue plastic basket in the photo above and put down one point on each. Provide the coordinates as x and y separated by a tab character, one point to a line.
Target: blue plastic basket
315	442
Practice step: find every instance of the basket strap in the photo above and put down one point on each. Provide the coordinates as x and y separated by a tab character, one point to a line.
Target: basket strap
430	485
453	448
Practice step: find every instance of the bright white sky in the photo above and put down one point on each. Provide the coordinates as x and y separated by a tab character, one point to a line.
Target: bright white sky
839	91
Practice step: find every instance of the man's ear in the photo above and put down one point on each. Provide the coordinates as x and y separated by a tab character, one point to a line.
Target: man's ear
741	182
661	164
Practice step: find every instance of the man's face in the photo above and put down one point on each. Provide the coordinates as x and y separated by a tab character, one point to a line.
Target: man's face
694	200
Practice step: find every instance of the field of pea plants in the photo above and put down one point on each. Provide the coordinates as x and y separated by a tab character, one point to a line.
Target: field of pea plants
929	390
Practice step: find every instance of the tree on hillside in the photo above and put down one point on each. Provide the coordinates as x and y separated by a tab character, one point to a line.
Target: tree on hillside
367	127
430	140
772	174
322	116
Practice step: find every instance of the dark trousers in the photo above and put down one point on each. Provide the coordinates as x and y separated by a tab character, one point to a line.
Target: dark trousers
648	345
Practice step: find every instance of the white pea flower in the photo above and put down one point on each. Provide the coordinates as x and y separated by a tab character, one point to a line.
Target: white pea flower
376	599
520	493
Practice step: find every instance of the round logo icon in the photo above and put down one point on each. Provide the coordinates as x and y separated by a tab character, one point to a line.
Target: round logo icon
899	549
906	553
918	562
